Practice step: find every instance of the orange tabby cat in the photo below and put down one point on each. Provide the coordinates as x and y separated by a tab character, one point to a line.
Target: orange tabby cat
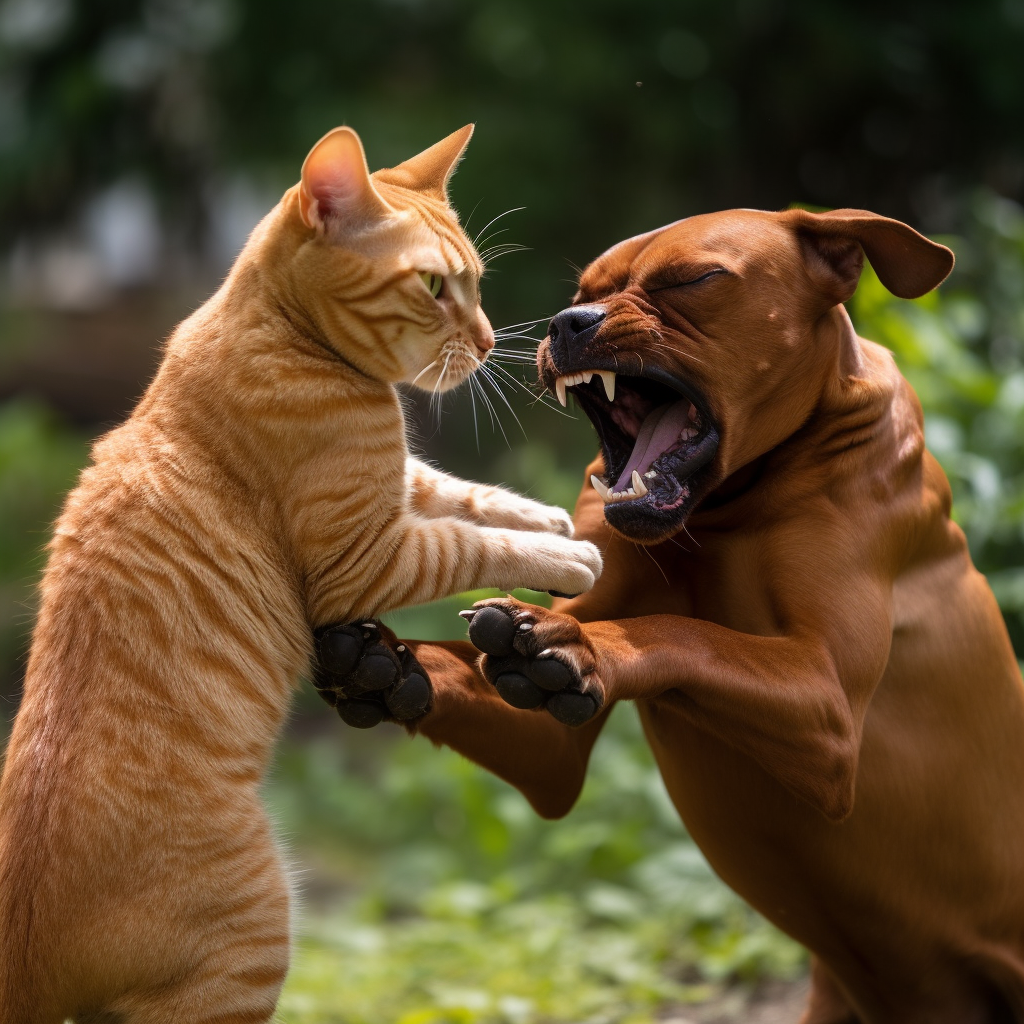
262	485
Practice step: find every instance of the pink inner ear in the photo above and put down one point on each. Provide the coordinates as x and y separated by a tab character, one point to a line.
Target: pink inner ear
332	189
335	176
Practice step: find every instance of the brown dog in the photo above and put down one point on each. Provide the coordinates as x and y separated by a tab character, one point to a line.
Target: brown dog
824	678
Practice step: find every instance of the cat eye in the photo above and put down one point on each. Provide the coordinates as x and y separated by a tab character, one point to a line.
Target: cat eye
433	282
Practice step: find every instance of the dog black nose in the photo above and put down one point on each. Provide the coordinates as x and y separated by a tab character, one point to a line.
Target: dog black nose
567	326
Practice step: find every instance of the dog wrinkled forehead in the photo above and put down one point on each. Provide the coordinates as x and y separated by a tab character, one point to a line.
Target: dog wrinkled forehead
684	249
610	272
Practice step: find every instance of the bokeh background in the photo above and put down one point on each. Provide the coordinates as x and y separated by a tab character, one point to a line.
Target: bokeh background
140	140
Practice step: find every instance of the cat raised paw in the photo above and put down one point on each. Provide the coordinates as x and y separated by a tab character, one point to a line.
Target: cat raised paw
556	564
368	675
518	513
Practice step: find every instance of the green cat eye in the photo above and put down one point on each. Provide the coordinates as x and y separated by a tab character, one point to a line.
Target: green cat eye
433	282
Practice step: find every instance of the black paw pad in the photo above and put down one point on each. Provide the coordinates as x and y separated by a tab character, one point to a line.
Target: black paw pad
558	593
572	708
376	671
492	631
410	698
515	689
551	674
339	650
361	714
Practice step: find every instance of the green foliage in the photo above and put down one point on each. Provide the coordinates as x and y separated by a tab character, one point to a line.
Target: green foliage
39	460
470	908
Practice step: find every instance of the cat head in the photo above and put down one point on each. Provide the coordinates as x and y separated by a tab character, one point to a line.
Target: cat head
382	267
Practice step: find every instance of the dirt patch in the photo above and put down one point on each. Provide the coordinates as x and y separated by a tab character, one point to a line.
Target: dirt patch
774	1002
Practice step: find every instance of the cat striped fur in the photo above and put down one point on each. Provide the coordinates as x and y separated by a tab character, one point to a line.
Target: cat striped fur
261	486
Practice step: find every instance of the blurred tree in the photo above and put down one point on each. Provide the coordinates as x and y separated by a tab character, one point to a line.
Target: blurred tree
602	121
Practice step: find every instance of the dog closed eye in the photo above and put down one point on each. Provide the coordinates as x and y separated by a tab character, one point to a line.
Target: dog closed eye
678	278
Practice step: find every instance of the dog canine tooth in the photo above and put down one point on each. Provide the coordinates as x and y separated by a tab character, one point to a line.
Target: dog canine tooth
602	488
608	379
639	487
560	391
693	412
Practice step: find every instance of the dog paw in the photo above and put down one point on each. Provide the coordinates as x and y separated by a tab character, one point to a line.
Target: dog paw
537	658
368	675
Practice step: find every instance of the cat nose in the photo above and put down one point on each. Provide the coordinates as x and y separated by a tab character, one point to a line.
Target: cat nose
575	325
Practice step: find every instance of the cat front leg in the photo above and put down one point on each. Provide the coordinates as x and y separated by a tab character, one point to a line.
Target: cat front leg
414	560
435	494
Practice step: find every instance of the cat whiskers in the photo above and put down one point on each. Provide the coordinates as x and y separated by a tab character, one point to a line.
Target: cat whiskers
498	356
435	394
494	220
499	331
429	366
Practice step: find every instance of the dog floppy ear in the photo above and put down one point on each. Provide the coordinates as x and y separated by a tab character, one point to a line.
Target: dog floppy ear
834	245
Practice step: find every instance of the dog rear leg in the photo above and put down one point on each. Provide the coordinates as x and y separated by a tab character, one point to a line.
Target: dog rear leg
826	1003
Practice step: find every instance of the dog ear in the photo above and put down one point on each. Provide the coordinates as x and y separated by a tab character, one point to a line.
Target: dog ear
834	245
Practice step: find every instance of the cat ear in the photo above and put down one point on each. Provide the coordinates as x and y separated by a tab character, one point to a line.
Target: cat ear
336	182
431	170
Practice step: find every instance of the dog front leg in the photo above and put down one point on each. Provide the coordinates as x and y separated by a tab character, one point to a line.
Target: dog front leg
785	701
368	674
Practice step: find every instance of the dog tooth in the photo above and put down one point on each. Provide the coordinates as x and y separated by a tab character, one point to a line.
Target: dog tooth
650	474
639	487
560	391
603	489
608	379
587	376
693	412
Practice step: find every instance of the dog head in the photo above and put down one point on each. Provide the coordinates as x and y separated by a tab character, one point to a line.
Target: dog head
697	347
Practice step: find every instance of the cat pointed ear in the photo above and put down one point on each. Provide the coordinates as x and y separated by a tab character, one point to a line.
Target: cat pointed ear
336	182
431	170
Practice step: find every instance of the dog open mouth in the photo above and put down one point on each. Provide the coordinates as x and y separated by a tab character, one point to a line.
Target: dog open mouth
656	434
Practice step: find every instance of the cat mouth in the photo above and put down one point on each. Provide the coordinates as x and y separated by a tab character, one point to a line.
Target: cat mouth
656	436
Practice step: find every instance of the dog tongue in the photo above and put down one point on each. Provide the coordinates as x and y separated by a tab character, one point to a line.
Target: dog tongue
658	433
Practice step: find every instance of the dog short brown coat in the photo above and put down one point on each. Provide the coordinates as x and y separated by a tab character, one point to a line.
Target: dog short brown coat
823	676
